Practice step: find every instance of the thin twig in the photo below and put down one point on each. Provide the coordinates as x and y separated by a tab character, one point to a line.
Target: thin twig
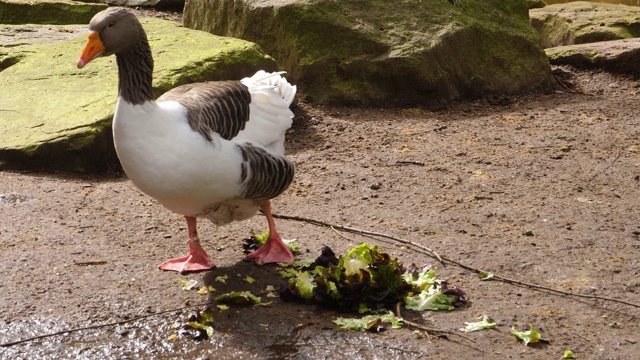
444	259
340	234
360	232
426	329
564	86
409	162
44	336
87	263
534	286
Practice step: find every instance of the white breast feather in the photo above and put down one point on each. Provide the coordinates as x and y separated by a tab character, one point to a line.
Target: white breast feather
170	162
188	174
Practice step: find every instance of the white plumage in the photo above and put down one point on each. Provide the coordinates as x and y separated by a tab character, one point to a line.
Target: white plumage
213	150
172	163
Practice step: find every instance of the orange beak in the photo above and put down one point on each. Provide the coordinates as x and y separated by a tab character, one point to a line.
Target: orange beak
92	49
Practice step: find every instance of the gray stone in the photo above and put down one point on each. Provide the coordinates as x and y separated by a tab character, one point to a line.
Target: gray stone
583	22
380	52
617	56
55	116
47	11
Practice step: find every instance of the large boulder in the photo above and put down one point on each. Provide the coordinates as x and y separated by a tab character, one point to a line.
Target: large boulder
583	22
55	116
163	4
47	11
617	56
383	52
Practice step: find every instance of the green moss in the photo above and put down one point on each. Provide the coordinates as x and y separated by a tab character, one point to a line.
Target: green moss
47	11
585	22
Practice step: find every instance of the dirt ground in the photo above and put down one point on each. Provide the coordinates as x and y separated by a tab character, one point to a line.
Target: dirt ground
543	189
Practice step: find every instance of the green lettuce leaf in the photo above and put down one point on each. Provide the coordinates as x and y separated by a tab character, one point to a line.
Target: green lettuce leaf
206	328
198	325
238	298
485	275
437	297
531	336
303	284
369	322
482	323
420	279
188	284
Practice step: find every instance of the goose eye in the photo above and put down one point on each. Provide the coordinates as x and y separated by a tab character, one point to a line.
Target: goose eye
109	25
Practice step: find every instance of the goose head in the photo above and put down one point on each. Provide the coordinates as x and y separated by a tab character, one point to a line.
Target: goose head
112	31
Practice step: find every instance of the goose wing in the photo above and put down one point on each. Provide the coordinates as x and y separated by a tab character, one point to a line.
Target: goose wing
264	175
220	107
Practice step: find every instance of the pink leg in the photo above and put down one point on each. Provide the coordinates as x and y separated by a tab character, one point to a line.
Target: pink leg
195	260
273	250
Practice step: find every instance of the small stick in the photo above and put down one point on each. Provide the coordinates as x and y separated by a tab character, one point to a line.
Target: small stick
534	286
409	162
426	329
87	263
340	234
360	232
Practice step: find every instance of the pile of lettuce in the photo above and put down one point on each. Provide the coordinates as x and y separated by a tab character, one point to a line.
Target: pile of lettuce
366	280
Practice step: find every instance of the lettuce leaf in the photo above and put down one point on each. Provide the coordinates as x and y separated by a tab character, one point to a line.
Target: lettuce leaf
420	279
531	336
238	298
433	298
369	322
189	284
482	323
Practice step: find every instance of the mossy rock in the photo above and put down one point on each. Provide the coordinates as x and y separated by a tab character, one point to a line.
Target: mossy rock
584	22
55	116
55	12
616	56
388	53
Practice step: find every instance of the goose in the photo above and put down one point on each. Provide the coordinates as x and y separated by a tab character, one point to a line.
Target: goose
212	150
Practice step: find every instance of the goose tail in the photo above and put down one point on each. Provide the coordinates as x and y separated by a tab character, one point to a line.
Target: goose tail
273	80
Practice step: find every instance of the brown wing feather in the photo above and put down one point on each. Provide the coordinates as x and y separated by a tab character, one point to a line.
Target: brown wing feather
218	106
264	175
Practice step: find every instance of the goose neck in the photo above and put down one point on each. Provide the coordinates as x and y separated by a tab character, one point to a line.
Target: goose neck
135	74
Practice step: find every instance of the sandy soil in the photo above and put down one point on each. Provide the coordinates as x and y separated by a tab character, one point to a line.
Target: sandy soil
543	189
